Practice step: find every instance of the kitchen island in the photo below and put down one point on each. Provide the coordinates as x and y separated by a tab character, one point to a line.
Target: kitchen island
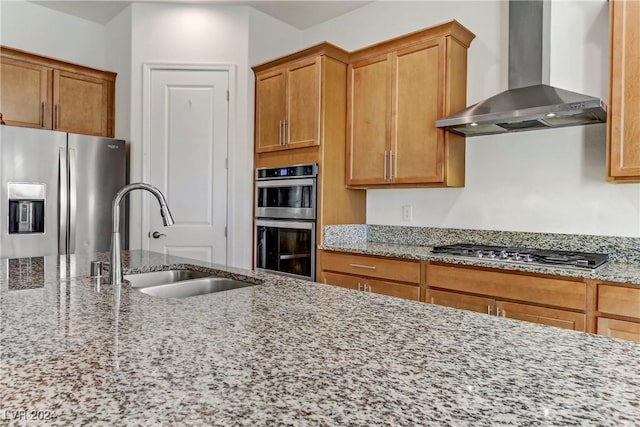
76	351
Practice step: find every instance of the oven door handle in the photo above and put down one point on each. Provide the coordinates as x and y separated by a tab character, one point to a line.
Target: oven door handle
262	248
304	182
300	225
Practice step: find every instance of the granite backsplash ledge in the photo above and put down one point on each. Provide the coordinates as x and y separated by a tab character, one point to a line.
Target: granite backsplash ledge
623	249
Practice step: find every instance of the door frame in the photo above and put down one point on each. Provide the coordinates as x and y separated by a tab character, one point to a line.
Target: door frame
147	69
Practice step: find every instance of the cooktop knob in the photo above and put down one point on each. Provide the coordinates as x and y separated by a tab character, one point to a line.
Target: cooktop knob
516	257
504	254
491	254
527	258
479	254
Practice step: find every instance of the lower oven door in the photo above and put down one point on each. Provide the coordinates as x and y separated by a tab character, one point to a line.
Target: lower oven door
286	247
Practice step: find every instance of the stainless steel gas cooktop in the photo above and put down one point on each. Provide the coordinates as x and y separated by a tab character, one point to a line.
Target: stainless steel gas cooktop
545	257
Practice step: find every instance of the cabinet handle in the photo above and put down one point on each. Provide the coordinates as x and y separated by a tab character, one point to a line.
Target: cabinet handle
497	311
385	165
42	117
370	267
390	165
367	288
284	132
56	113
359	286
280	132
489	310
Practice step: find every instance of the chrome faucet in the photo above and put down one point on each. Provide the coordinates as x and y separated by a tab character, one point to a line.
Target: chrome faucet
115	270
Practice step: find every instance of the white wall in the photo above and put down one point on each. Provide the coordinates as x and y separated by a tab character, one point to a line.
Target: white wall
165	33
542	181
46	32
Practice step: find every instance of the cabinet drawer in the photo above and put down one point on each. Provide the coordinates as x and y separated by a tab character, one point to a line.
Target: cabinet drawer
381	268
619	329
619	300
537	290
392	289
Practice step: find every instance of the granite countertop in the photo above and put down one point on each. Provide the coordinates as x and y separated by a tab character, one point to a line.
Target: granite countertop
613	271
288	352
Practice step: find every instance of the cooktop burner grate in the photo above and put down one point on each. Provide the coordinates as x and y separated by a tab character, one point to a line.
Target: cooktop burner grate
565	259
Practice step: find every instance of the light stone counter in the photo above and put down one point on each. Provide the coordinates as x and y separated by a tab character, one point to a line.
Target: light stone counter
417	243
289	352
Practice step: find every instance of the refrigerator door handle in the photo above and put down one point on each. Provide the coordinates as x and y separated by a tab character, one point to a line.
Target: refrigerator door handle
72	201
63	201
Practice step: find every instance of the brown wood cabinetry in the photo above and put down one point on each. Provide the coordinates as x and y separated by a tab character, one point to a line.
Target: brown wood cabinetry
530	313
623	126
387	276
619	311
45	93
308	88
289	99
396	91
545	300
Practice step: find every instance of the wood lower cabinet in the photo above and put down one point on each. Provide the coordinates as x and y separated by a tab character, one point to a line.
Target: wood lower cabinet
622	329
397	89
519	311
623	109
387	276
619	311
545	300
45	93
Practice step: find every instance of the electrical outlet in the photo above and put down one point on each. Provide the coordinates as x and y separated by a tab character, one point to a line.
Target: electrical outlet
407	213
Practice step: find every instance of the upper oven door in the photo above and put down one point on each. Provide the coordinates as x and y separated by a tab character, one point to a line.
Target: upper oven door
286	198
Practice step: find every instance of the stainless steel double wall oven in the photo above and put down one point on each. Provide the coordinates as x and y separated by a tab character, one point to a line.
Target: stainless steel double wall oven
285	211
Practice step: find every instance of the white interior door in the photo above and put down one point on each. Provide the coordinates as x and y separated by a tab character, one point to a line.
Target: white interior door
187	161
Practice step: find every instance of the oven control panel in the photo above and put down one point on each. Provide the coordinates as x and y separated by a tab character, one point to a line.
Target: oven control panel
294	171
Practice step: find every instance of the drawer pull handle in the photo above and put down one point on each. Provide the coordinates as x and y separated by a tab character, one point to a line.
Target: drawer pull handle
370	267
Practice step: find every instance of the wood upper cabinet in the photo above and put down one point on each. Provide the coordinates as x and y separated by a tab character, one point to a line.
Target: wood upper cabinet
396	91
387	276
45	93
288	102
82	103
623	126
25	95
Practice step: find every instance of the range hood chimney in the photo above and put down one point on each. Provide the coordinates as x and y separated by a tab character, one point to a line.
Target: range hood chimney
529	103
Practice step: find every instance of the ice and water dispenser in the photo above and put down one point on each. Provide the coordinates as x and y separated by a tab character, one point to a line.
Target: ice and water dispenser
26	208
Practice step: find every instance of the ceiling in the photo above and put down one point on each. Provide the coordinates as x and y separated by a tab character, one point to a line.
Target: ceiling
300	14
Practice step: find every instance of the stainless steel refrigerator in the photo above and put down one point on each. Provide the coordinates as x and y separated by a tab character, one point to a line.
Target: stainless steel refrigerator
56	191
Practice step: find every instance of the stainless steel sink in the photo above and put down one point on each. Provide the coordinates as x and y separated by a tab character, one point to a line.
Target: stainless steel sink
194	287
155	278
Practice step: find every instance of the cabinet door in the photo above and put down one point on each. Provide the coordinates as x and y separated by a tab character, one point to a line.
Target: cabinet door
270	110
417	145
461	301
369	112
545	316
342	280
393	289
619	329
623	136
25	93
81	104
303	103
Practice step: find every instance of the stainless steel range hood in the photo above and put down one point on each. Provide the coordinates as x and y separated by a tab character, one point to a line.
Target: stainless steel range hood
529	103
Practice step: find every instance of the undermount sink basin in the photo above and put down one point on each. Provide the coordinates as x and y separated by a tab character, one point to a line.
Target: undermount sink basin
155	278
194	287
